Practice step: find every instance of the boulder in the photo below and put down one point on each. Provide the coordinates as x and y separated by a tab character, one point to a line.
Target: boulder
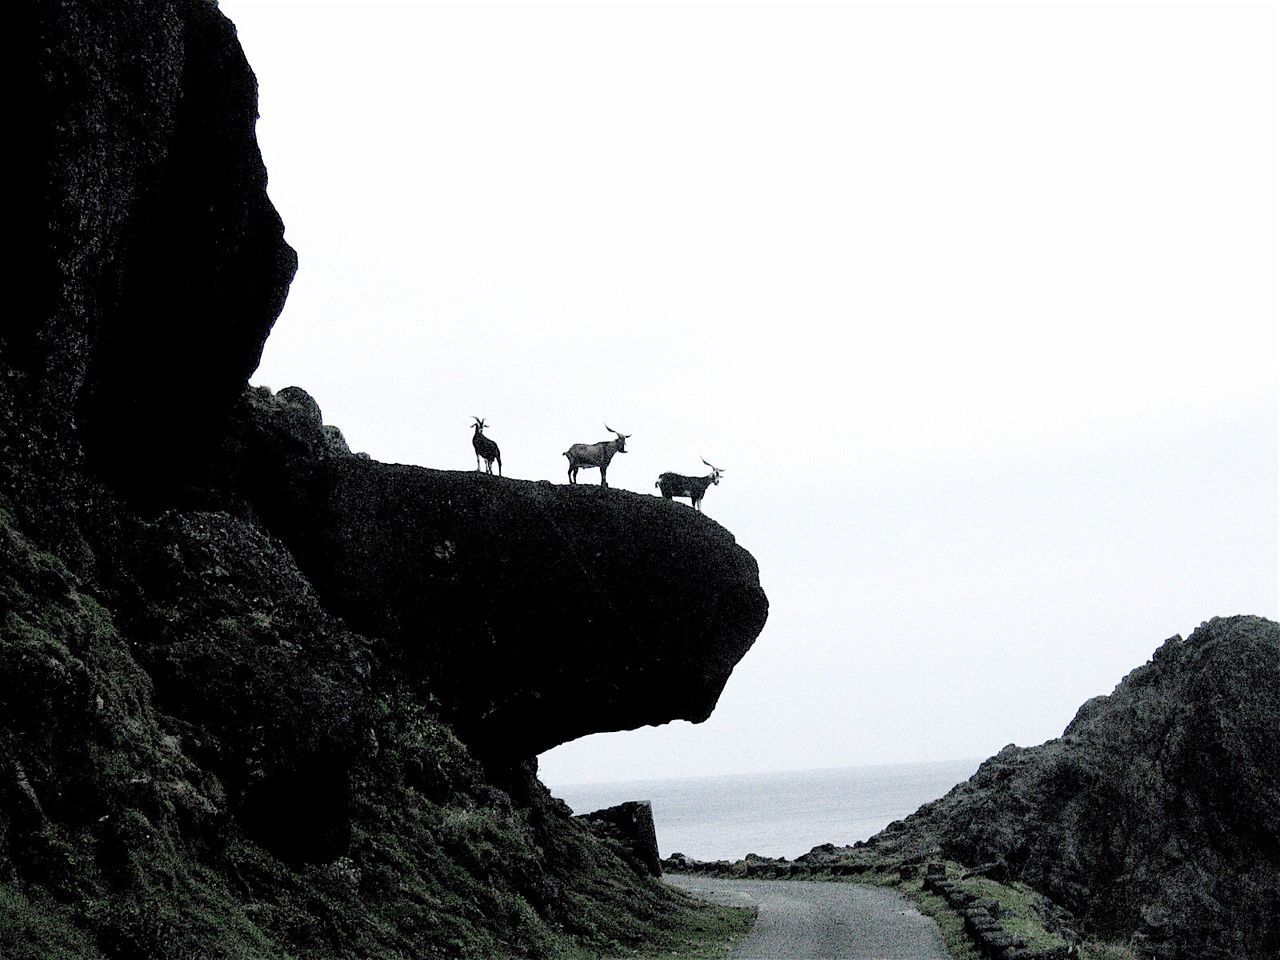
630	825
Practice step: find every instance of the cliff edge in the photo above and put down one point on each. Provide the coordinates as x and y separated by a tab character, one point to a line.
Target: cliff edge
259	696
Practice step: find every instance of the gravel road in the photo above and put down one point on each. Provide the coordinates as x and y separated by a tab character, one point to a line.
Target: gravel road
823	920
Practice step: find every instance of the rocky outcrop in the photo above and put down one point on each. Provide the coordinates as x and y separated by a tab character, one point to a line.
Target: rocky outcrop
1154	818
536	613
158	264
630	826
260	696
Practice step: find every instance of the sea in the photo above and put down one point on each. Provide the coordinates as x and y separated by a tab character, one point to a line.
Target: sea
774	814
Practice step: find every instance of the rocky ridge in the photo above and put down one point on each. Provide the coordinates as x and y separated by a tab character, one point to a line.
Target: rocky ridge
1154	819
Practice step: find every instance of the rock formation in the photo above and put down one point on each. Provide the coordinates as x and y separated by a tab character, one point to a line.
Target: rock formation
630	826
157	264
1155	818
260	696
536	613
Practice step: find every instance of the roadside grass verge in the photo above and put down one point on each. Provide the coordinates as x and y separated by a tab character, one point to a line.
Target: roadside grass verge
1021	911
704	933
949	922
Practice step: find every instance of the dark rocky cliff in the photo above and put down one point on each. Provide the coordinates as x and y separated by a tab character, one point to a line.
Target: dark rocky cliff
1155	818
537	613
260	697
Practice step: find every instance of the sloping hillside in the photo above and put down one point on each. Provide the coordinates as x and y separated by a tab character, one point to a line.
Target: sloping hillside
1155	818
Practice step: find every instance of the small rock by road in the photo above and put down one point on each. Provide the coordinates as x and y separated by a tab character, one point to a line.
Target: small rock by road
823	920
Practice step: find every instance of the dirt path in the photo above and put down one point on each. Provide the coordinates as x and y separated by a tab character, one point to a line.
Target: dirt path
823	920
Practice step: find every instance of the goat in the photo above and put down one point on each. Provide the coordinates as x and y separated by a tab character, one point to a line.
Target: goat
695	488
595	455
485	448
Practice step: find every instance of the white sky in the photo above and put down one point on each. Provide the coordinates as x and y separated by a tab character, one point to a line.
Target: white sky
976	304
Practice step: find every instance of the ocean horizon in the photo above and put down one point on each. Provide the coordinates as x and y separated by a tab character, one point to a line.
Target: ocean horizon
780	814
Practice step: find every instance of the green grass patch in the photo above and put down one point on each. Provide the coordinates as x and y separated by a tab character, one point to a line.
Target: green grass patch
706	933
1106	951
949	922
1022	910
38	931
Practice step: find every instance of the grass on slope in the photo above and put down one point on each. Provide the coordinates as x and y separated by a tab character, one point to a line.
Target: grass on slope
116	842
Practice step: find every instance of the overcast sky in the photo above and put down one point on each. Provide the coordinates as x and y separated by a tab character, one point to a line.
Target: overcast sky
976	304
